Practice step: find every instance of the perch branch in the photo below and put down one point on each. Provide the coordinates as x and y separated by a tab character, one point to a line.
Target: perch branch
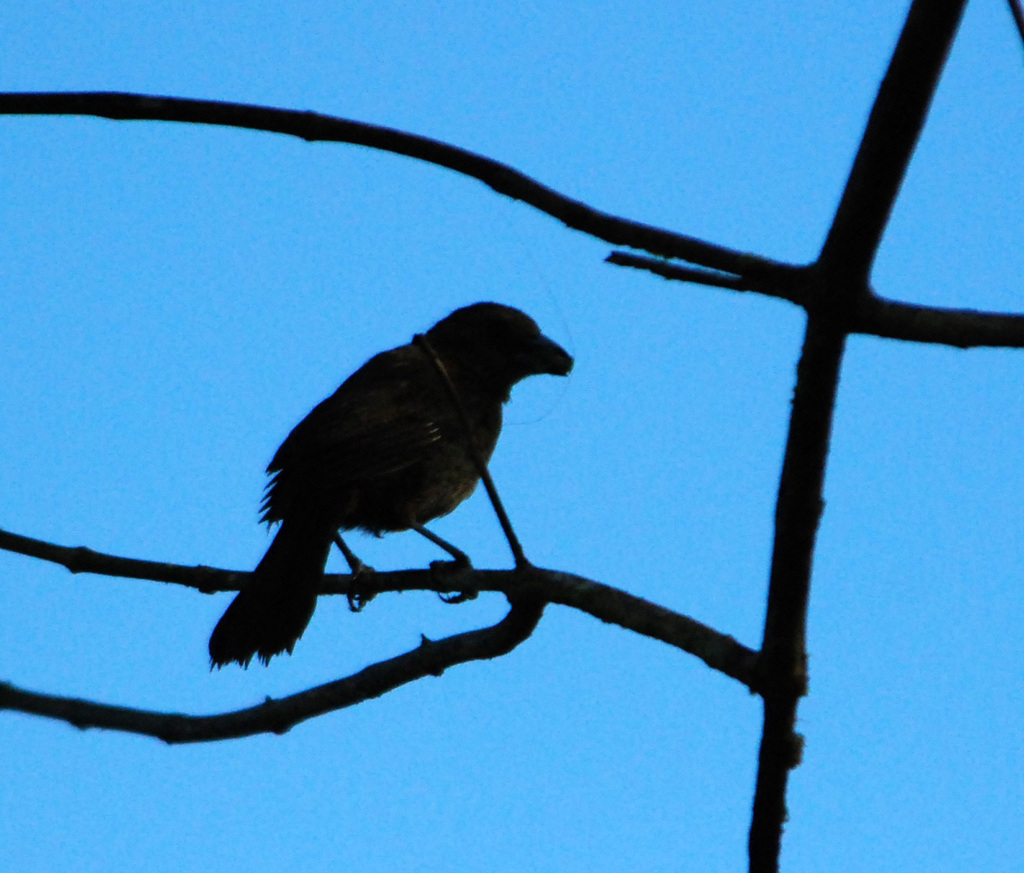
608	604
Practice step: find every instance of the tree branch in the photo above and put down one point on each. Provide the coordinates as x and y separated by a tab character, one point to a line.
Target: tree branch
962	328
783	653
279	716
838	285
893	129
783	282
1018	17
610	605
314	127
80	559
870	315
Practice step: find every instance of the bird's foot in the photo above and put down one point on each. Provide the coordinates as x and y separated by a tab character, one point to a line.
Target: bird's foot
357	597
447	572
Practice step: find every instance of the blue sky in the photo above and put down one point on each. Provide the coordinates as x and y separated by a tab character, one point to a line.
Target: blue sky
176	298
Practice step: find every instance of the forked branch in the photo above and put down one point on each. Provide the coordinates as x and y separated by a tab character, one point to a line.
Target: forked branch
605	603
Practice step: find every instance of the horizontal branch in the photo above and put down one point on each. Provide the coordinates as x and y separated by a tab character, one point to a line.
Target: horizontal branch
80	559
869	314
278	716
314	127
611	605
962	328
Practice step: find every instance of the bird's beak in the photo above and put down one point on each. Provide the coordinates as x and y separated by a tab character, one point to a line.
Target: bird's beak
546	356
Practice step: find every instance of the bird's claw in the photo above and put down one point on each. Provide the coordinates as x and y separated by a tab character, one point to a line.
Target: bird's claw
448	572
357	599
458	596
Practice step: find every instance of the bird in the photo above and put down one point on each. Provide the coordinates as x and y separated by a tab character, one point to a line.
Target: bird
387	452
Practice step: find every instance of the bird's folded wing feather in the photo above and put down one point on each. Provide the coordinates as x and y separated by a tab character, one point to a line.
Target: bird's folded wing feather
383	419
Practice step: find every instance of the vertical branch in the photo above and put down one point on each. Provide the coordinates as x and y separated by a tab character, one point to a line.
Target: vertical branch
893	130
838	280
1018	16
798	511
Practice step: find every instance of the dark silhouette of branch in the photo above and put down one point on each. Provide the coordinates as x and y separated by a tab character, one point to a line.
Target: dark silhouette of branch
783	655
962	328
750	272
841	279
1018	17
893	129
430	658
80	559
870	315
314	127
783	282
835	291
610	605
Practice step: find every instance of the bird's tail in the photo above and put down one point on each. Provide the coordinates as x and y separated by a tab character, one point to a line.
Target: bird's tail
270	613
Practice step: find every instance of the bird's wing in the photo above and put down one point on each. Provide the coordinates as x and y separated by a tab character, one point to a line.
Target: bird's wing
384	418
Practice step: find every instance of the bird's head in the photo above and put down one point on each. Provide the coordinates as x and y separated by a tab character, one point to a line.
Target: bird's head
499	343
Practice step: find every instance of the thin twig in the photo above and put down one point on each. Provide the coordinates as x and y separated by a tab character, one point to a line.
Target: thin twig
80	559
481	465
785	283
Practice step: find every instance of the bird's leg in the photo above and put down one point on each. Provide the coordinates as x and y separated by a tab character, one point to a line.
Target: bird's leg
356	598
459	565
461	558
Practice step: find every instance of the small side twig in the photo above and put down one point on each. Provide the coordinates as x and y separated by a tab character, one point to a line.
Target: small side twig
781	281
668	270
481	466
